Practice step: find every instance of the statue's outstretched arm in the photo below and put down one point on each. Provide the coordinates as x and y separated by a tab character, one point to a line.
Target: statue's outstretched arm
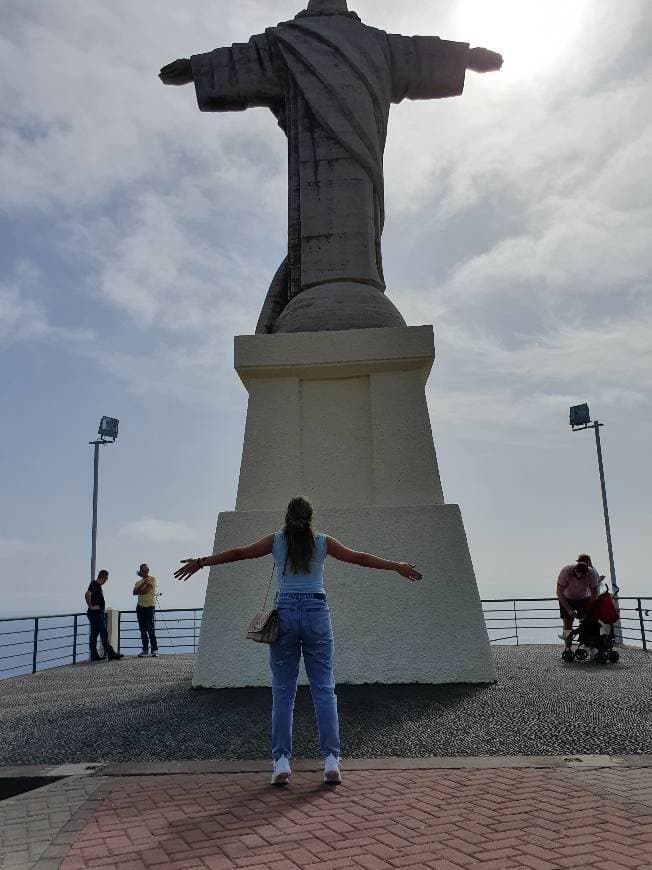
179	72
427	67
482	60
230	79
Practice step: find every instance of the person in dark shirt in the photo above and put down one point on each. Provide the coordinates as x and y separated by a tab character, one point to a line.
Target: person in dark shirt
96	606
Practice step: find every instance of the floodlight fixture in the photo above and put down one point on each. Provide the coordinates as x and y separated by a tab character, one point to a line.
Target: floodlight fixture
108	428
580	416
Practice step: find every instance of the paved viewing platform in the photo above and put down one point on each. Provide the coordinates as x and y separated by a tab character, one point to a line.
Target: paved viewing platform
145	710
549	768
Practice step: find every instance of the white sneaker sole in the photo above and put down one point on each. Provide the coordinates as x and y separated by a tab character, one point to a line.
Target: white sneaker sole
332	777
281	779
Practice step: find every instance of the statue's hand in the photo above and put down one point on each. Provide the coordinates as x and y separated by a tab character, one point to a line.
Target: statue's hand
179	72
482	60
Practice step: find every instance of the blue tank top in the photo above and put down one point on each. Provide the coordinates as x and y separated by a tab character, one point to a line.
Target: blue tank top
312	581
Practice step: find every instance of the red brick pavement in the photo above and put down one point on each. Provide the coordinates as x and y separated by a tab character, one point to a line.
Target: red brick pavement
377	820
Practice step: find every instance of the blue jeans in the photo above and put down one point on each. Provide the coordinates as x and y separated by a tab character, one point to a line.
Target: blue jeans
304	627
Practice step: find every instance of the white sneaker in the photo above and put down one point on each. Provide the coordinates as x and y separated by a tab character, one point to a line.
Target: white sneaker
332	773
143	654
281	773
154	654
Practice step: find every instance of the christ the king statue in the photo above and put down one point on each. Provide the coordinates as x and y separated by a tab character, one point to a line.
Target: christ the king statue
330	80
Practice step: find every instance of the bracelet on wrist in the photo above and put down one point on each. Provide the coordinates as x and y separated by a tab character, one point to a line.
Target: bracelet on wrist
199	563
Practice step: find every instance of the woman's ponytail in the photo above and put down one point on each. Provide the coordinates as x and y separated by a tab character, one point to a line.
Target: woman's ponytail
299	535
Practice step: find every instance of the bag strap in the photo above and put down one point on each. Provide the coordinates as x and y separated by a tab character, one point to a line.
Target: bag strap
278	591
269	586
271	577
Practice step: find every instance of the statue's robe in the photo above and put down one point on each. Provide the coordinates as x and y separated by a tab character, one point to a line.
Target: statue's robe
330	81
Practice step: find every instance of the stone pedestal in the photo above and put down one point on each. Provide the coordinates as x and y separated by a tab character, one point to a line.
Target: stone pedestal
341	417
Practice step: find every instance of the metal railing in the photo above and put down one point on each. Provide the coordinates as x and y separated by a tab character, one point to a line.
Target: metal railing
32	643
173	633
525	620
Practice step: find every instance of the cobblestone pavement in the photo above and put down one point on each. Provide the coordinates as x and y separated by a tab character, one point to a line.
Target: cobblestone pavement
148	712
31	823
428	819
631	787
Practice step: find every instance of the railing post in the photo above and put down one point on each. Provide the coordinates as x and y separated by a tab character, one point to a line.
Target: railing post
74	640
642	622
35	650
119	628
515	620
112	628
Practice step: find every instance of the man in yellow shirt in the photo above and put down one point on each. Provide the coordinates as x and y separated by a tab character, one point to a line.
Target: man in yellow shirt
145	589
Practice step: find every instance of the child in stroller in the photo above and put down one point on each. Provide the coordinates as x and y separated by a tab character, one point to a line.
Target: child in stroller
595	633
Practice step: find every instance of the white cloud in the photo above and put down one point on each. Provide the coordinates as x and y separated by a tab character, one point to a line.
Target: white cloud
551	135
197	373
80	130
192	369
151	530
21	318
161	266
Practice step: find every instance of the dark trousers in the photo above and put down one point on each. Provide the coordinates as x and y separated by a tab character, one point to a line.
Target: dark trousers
146	625
97	619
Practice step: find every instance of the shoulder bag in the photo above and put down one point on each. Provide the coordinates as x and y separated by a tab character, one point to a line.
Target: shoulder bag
263	628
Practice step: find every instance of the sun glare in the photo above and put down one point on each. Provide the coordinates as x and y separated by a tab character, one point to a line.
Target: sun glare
531	34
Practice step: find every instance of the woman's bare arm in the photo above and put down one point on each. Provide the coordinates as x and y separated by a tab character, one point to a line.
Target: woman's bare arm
263	547
367	560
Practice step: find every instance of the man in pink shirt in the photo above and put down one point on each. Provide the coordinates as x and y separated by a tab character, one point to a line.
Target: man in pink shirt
577	587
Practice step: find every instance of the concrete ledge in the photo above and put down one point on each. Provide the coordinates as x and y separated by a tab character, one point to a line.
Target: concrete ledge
486	762
56	771
347	353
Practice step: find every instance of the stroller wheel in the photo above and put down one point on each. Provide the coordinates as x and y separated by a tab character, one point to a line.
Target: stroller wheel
613	656
568	655
600	658
581	655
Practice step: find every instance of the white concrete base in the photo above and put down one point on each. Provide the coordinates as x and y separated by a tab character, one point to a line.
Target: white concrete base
342	418
387	629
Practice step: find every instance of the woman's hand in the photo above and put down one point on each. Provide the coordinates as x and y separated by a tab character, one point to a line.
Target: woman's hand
408	571
188	568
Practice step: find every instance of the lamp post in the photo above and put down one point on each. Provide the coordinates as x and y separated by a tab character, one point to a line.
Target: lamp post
580	419
108	432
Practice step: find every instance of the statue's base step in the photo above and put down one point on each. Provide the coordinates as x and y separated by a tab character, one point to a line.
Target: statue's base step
387	629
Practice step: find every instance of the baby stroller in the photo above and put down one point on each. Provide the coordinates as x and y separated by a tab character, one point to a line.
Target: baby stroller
595	633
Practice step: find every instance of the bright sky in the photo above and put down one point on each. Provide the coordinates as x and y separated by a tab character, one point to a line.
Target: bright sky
139	236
